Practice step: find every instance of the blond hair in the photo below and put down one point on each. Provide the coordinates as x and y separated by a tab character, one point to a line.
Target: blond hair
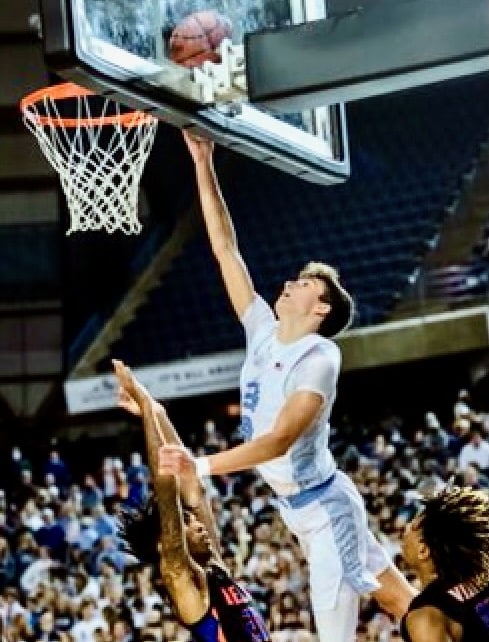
340	316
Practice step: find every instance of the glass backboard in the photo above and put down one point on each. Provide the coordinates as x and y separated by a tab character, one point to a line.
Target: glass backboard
125	50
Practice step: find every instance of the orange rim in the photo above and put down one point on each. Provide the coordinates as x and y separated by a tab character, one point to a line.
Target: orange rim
71	90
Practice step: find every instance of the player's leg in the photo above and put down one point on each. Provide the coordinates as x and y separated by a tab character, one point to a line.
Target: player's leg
339	624
335	603
394	593
334	536
334	614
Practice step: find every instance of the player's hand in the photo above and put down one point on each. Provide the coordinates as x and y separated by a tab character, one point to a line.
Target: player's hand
200	149
177	460
125	401
135	393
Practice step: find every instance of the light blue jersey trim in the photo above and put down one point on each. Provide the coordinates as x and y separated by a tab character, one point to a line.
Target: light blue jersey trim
306	496
345	530
304	458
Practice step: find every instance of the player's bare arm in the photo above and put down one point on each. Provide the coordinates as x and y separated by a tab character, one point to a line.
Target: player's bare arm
429	624
183	578
295	418
220	228
199	504
132	396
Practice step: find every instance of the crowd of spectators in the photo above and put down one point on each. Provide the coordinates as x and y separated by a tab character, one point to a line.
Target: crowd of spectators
66	574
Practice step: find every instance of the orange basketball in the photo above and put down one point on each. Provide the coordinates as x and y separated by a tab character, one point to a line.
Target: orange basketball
196	38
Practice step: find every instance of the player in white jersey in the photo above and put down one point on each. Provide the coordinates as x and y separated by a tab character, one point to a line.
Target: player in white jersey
288	387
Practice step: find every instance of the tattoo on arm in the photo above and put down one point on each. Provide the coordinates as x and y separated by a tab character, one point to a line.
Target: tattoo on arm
183	578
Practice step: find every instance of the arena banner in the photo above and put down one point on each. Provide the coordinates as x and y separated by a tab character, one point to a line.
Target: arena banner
197	376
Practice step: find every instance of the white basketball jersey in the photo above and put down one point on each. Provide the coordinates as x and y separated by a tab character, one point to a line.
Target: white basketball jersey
264	377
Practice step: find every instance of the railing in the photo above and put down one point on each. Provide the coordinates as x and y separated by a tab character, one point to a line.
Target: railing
450	287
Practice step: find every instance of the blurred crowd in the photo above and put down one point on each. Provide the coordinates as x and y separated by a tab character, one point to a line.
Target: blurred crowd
66	574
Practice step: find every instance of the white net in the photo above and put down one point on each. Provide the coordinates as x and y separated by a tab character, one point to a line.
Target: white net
99	157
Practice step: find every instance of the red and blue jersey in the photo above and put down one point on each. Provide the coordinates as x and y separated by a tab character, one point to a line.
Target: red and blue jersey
232	616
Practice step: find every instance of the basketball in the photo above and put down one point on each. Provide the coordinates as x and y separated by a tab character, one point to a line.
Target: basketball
196	38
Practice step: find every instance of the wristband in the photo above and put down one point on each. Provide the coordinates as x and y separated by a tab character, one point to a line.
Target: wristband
202	467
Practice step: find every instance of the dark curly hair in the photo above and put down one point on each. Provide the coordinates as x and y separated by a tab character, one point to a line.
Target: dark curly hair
455	526
139	529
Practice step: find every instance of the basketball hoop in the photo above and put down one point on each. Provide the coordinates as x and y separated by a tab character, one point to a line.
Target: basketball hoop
99	152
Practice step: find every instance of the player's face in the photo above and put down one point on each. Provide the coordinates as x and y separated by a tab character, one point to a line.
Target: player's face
300	296
198	540
411	542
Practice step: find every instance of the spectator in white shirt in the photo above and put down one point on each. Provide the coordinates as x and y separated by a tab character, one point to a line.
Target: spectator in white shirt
475	451
10	605
86	588
83	630
109	484
30	516
38	571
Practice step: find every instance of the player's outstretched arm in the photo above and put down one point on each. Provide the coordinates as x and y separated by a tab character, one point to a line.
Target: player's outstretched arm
295	418
126	400
134	397
183	579
220	228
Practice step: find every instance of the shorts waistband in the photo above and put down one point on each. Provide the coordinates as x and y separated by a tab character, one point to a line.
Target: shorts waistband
304	497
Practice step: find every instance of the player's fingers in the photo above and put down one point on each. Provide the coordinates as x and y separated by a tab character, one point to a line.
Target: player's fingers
169	459
123	395
121	372
118	366
169	449
191	137
166	467
162	458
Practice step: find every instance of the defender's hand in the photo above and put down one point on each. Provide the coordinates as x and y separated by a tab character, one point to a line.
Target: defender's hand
135	390
125	401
